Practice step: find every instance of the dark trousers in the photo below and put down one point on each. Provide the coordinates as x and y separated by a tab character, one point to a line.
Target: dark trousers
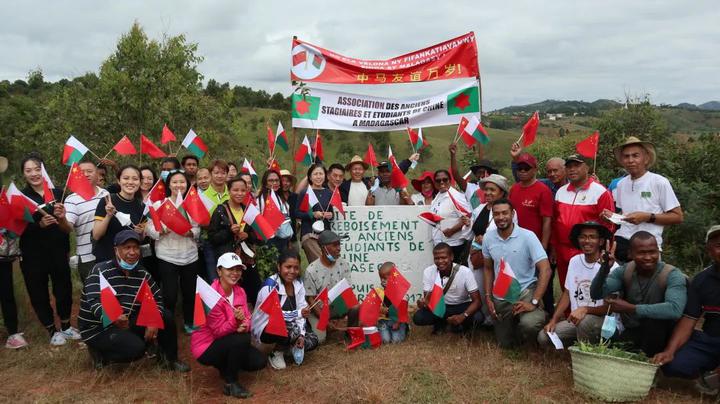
120	346
280	244
251	283
700	354
549	297
460	253
426	317
651	336
37	271
7	298
182	277
231	354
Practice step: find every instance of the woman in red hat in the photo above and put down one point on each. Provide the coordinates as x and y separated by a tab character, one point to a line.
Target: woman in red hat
425	187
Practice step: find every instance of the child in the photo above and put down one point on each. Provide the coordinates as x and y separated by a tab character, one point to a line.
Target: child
392	329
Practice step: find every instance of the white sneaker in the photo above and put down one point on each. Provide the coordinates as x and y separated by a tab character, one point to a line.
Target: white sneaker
16	341
71	333
58	339
277	360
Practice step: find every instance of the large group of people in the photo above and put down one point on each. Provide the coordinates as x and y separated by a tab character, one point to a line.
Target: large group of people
497	249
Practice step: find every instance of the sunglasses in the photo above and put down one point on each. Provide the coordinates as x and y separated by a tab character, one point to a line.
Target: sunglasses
442	180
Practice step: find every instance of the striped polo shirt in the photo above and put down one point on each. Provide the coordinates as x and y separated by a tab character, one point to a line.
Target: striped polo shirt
126	288
81	215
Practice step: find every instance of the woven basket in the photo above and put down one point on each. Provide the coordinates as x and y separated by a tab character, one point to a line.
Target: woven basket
610	378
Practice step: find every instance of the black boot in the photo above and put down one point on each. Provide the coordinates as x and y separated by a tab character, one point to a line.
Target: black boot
236	390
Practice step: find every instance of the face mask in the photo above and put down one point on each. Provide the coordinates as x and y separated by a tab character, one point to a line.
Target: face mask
330	258
164	174
127	266
298	355
608	327
429	192
476	245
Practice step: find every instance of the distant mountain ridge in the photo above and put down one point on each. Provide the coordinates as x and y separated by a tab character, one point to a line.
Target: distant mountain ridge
589	108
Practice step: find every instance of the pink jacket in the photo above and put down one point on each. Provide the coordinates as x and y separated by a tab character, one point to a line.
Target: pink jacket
220	321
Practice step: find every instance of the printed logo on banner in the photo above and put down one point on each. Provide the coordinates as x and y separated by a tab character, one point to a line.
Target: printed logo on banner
307	62
464	101
306	107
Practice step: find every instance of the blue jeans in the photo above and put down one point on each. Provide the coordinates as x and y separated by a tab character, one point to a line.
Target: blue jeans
389	335
700	354
210	261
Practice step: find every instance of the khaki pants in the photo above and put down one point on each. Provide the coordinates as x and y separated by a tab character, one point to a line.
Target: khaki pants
511	330
587	330
311	247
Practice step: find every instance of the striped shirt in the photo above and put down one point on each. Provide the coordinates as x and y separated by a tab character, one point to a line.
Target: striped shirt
81	215
126	287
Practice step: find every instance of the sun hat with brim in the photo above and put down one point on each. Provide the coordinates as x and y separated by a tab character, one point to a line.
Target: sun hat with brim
417	182
486	164
712	232
575	232
230	260
356	160
286	173
498	180
632	140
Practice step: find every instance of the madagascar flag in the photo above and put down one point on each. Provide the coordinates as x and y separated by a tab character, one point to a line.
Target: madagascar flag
436	300
149	315
342	298
430	218
477	198
73	151
281	137
205	300
304	153
111	308
255	219
472	131
506	286
309	201
195	144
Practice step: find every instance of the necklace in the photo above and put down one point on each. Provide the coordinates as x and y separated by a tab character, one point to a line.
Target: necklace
584	263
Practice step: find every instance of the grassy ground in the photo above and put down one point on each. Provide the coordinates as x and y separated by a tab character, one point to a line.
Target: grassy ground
424	369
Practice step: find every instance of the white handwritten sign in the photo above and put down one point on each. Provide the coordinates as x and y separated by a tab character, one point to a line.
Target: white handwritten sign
377	234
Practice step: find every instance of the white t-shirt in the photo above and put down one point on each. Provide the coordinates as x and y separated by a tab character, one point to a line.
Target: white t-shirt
459	292
579	277
418	199
650	193
443	206
358	193
81	215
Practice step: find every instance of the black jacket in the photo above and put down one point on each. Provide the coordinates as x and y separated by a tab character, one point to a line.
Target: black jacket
219	233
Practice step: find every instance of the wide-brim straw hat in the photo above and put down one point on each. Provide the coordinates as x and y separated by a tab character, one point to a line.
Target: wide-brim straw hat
632	140
356	160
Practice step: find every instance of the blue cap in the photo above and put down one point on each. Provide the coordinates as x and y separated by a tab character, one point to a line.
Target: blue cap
126	235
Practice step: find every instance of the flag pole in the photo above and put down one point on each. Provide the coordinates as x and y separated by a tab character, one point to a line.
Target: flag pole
66	182
294	139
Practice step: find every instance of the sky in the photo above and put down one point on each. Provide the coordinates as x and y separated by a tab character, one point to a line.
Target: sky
529	51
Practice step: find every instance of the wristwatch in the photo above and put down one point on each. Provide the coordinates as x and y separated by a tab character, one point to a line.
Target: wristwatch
465	314
652	218
534	302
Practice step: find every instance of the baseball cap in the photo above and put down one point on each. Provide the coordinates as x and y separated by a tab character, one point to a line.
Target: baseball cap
575	158
712	232
328	237
126	235
527	158
230	260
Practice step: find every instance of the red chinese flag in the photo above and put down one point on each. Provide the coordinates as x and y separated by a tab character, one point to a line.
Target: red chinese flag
276	321
195	207
155	218
589	146
157	192
173	219
149	148
357	337
10	222
124	147
324	311
78	183
370	156
336	201
272	212
318	147
274	166
370	309
397	286
530	130
149	315
167	135
398	180
402	312
270	139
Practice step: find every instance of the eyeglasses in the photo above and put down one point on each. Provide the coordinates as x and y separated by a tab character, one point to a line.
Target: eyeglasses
442	180
588	237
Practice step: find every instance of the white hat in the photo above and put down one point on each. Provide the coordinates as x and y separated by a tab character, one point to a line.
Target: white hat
230	260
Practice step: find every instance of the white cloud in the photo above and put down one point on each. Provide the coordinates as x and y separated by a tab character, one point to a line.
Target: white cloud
529	51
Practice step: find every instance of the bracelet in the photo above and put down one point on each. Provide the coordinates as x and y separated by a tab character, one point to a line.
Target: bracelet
652	218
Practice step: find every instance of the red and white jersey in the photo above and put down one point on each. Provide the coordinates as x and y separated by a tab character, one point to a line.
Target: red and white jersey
577	205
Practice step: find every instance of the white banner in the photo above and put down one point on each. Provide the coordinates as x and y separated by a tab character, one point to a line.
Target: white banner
385	233
327	109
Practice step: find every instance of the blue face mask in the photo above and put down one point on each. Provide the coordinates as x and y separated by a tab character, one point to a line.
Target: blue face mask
330	257
127	266
608	327
164	174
